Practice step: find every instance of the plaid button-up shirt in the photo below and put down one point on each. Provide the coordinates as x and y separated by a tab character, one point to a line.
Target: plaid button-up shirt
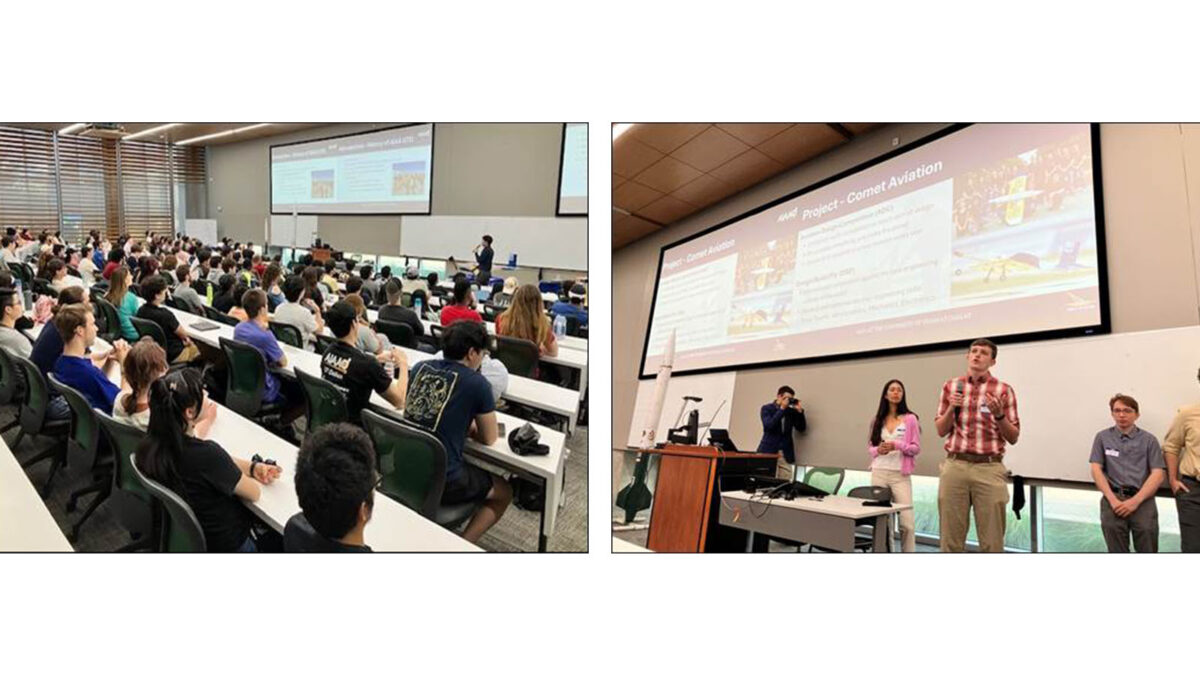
976	429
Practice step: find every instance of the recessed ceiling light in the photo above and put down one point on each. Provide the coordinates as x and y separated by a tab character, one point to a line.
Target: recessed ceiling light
151	131
73	128
221	134
619	129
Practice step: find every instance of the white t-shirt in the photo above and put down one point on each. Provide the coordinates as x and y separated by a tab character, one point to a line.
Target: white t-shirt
299	316
890	461
140	419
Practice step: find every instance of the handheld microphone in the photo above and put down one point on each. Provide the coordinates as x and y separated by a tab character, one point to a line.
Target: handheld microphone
697	399
958	389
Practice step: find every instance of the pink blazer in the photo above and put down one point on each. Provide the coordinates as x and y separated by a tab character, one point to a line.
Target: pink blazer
909	447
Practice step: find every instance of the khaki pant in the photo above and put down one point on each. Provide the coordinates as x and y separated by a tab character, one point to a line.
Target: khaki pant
190	352
1142	524
784	470
966	486
901	487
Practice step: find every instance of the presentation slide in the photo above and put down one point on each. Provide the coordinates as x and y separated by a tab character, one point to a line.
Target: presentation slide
387	171
988	231
572	186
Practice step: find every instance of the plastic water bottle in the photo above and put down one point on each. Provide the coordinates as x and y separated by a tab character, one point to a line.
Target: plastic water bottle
418	308
560	325
21	294
208	294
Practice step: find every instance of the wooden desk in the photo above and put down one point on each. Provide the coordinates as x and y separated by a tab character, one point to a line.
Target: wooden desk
683	517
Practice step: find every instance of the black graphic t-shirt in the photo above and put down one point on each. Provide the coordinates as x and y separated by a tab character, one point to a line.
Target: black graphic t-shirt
445	397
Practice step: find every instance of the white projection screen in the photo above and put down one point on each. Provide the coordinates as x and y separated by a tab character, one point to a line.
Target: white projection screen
572	172
986	230
378	172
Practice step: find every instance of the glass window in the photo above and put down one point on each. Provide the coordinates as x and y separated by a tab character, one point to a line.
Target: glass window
396	264
1071	522
427	266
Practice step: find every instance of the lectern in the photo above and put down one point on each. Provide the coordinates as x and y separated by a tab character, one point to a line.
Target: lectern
684	516
320	254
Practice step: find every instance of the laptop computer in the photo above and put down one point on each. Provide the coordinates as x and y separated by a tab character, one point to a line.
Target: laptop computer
720	439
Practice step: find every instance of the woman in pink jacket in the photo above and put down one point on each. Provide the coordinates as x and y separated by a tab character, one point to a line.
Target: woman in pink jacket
894	444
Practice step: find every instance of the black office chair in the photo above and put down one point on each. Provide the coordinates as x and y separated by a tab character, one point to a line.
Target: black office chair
129	501
400	334
324	342
436	330
148	328
108	321
490	312
10	386
287	334
412	463
180	304
34	422
181	531
42	287
246	380
220	317
87	459
22	271
324	403
573	326
519	356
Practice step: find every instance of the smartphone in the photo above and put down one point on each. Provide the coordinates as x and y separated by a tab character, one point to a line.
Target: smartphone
501	424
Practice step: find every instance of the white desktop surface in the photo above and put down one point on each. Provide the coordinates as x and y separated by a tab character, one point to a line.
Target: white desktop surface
25	522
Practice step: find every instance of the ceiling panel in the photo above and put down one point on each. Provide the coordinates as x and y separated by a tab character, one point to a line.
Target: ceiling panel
663	173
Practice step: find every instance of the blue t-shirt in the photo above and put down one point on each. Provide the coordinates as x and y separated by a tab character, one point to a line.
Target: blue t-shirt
570	309
83	375
98	258
47	348
264	341
445	397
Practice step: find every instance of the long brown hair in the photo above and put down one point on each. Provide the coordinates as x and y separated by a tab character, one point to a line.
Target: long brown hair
118	285
525	317
145	363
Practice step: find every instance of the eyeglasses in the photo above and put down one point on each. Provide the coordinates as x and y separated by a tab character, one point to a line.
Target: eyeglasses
378	480
1120	411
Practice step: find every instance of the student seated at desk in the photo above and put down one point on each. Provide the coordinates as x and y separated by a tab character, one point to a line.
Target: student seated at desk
212	482
10	338
525	319
368	339
126	303
56	273
75	368
451	399
255	331
412	281
237	311
335	482
184	291
223	296
180	348
145	363
462	306
300	311
394	311
574	308
356	372
270	283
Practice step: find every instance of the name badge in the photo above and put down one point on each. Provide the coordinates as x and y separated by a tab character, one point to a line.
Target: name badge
1111	453
983	408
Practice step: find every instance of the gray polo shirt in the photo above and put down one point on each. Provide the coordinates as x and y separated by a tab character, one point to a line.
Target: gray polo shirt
1127	458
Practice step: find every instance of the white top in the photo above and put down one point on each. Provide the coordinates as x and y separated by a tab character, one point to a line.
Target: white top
140	419
890	461
25	522
833	505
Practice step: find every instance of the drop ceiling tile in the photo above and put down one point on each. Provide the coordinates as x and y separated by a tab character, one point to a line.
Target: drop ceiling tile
703	191
633	195
753	134
665	137
801	142
666	210
627	229
630	157
749	168
709	149
859	128
667	175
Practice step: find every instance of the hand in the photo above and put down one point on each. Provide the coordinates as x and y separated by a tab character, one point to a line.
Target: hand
120	349
782	403
209	410
1177	486
1126	508
266	473
886	447
399	358
798	405
995	404
957	400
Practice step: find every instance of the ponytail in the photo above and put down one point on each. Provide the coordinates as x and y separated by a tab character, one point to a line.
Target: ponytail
170	397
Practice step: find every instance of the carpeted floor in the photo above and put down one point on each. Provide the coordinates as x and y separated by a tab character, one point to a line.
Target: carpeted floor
516	531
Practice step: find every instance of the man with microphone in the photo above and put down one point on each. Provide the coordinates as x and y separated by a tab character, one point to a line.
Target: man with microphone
779	419
979	414
483	260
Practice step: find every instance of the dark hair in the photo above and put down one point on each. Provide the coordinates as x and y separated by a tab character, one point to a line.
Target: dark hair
68	318
1126	399
117	254
152	286
340	318
432	279
785	390
239	292
330	265
885	407
461	337
6	279
488	239
461	289
52	268
987	343
203	255
335	474
225	284
6	241
182	272
354	285
365	271
394	290
254	300
270	275
6	297
385	272
293	288
170	397
72	295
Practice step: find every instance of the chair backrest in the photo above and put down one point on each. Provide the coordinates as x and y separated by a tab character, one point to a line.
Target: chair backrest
85	430
287	334
8	378
146	327
324	403
111	321
826	478
37	396
400	334
573	326
435	331
200	286
490	312
22	271
411	461
519	356
130	498
180	304
324	342
183	532
246	377
42	287
870	492
219	317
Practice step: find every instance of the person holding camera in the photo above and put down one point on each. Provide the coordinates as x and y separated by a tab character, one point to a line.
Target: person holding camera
779	419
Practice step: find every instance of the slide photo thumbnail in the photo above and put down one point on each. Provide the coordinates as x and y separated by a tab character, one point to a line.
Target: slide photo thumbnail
1051	257
408	178
760	314
766	266
322	184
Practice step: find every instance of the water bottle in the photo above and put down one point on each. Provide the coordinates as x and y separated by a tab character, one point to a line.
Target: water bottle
208	294
21	294
560	325
419	309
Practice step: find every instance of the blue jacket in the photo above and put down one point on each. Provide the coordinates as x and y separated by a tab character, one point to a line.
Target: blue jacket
778	424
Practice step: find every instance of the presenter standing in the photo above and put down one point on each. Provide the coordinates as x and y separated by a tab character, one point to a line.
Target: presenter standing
894	444
779	419
483	260
979	415
1181	450
1127	467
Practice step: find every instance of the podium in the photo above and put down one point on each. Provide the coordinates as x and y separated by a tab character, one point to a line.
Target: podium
320	255
685	513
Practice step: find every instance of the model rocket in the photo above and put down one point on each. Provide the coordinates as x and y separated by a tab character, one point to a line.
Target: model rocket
650	429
